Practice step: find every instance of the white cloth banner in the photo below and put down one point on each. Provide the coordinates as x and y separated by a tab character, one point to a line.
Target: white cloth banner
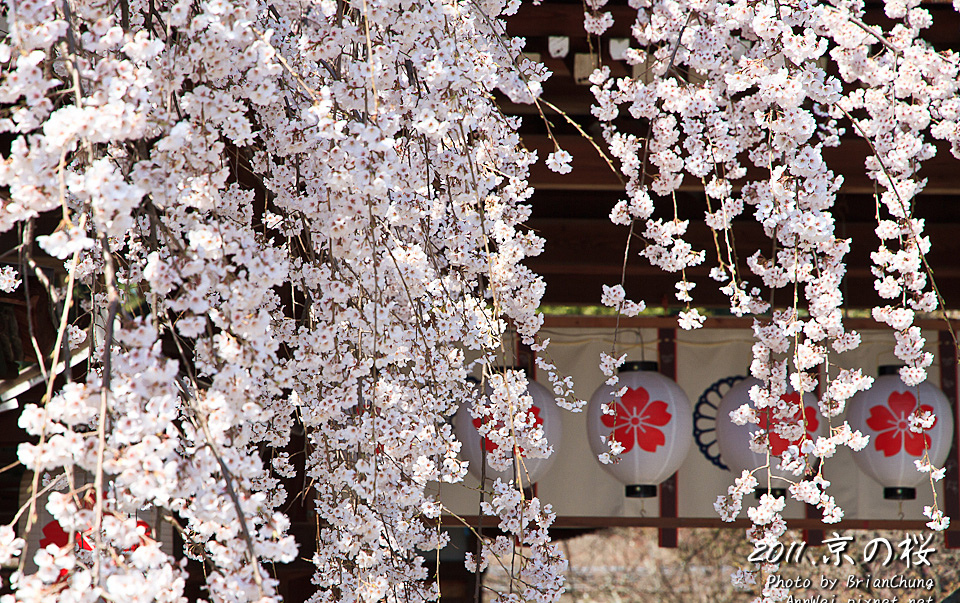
577	486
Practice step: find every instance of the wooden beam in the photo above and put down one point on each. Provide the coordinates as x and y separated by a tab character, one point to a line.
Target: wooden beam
667	357
563	321
709	522
581	256
849	208
597	245
550	19
591	172
554	19
948	384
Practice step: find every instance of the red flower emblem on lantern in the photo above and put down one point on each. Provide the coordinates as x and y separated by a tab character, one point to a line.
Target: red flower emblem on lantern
53	533
892	424
490	445
635	421
777	443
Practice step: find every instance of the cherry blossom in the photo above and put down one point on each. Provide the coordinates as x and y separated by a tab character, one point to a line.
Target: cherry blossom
280	219
490	445
807	415
9	279
744	98
275	219
559	161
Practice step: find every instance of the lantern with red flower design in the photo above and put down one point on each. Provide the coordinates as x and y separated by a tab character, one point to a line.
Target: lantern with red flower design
885	413
46	530
543	413
652	421
734	440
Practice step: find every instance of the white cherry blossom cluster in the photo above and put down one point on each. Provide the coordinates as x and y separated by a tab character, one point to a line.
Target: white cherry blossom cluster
539	564
739	96
9	279
277	218
507	423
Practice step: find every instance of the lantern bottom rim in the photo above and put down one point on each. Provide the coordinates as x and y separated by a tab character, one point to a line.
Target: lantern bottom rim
640	491
900	493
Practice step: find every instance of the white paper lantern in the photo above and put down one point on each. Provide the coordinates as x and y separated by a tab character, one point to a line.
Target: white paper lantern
883	412
546	414
734	439
653	421
47	530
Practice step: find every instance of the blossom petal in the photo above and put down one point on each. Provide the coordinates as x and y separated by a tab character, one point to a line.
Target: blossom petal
881	418
902	404
656	413
810	415
649	438
915	443
888	442
624	435
614	419
777	444
635	399
792	399
53	533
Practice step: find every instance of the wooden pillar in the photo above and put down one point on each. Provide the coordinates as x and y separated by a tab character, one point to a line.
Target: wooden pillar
951	483
814	537
525	359
667	356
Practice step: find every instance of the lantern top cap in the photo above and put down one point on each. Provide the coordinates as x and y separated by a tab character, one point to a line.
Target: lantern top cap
889	369
638	365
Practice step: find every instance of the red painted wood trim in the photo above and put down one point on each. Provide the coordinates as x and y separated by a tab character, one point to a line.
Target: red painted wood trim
572	321
667	356
814	537
951	482
526	359
590	521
